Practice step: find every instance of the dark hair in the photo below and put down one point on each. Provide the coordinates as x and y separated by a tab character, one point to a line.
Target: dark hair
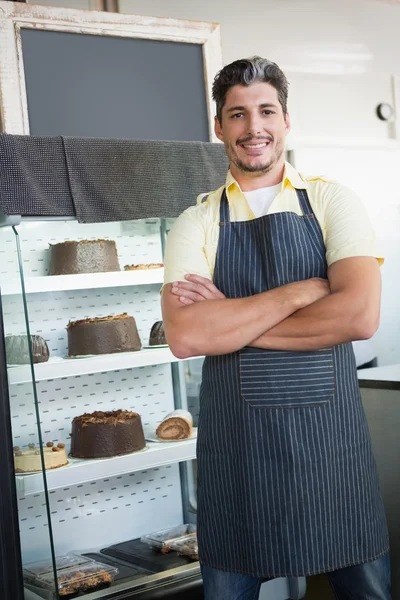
245	72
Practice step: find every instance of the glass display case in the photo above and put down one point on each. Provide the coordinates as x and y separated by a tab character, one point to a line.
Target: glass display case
80	523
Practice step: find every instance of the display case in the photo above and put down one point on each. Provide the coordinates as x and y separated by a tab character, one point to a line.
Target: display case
94	509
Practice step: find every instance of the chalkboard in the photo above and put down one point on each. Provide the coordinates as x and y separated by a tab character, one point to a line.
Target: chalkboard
114	87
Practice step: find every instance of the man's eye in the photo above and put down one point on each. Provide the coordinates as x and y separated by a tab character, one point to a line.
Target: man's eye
237	115
268	112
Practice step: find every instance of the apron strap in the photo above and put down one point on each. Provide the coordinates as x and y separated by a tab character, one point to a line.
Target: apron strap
224	216
304	203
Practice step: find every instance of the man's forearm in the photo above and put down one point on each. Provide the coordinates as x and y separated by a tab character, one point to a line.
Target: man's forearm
223	326
332	320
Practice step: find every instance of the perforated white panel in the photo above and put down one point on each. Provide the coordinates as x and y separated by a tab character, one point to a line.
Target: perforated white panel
102	512
97	514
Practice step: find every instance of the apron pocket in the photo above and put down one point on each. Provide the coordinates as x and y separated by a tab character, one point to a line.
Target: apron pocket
280	379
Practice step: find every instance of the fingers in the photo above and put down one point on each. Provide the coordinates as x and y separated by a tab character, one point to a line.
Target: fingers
186	288
185	300
196	289
206	283
189	290
189	294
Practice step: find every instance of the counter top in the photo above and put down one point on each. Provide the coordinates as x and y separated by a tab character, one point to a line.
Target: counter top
385	377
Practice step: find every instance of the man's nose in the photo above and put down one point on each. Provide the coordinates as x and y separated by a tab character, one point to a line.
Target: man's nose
254	125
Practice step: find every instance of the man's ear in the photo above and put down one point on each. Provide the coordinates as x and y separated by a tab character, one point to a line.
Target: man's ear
287	123
218	129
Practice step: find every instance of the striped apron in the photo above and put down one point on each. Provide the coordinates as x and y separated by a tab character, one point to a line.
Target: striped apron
287	483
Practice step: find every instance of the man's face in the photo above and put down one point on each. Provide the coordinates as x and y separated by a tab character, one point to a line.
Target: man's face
253	128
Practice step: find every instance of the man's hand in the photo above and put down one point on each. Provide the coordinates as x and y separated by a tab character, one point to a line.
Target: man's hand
196	289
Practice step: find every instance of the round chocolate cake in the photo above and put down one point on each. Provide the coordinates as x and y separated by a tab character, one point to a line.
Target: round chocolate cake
17	349
157	335
103	434
85	256
103	335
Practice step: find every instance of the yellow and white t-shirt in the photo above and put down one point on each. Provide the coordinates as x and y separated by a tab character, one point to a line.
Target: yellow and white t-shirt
193	240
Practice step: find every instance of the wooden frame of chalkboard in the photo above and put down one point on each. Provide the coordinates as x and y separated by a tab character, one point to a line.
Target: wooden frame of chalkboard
14	17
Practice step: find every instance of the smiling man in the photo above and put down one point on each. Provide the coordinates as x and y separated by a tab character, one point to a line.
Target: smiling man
272	277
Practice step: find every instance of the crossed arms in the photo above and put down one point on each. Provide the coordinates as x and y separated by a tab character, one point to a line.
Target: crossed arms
305	315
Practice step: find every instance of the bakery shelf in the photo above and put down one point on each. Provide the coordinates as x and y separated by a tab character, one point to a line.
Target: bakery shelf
86	281
57	368
82	471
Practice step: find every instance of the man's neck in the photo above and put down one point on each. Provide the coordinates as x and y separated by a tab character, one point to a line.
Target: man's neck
254	181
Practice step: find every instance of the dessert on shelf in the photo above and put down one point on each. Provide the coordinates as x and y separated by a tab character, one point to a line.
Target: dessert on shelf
143	267
104	434
17	349
157	335
29	460
85	578
103	335
177	425
84	256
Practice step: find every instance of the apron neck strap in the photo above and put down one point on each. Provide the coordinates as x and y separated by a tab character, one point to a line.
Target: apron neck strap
304	203
224	216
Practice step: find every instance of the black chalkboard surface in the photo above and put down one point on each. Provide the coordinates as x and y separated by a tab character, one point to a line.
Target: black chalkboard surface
114	87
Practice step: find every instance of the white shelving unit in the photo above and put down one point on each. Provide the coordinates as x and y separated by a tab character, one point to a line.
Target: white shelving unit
87	281
82	471
57	368
110	499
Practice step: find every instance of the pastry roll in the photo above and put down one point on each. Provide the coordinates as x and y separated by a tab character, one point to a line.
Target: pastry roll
178	425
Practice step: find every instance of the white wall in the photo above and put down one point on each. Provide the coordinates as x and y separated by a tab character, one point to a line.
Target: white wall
373	174
321	36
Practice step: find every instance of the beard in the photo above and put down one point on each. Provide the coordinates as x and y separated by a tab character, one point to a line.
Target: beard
262	167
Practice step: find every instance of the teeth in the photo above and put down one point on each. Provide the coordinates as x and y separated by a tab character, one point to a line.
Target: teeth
255	145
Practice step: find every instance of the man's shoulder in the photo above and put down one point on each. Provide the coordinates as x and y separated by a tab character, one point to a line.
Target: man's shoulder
322	188
318	180
204	211
208	199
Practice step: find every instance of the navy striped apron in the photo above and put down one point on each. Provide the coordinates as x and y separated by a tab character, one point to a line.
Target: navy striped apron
287	483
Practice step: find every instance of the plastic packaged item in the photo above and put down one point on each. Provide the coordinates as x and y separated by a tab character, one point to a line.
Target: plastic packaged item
162	539
135	553
66	561
187	546
84	578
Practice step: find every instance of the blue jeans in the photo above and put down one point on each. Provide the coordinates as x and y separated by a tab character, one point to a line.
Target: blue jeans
369	581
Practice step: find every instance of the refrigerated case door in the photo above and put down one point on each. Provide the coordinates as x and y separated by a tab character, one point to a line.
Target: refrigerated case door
10	551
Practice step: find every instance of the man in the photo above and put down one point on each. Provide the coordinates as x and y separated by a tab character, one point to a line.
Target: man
272	277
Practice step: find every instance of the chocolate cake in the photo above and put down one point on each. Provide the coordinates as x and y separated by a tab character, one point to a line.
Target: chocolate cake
102	434
157	335
85	256
103	335
17	349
